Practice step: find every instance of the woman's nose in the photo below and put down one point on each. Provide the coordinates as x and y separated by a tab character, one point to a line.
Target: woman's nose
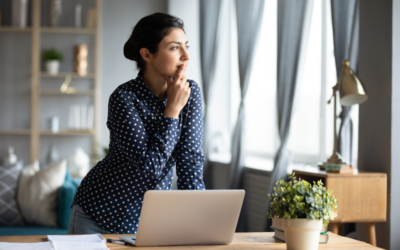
185	55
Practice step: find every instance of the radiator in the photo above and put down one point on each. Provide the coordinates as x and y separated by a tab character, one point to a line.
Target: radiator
255	184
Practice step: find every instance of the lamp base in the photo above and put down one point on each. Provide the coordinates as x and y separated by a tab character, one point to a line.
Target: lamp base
334	161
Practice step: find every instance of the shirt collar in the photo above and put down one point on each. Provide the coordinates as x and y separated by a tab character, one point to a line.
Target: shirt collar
144	93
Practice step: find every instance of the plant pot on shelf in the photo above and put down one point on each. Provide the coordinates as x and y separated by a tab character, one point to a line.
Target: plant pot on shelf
52	66
302	234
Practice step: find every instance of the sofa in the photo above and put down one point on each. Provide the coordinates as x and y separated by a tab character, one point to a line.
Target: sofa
65	198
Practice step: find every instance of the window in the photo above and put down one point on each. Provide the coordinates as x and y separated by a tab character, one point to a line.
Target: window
311	138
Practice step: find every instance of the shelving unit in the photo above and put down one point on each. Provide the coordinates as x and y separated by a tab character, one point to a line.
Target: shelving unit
36	31
15	132
57	92
69	30
13	29
68	132
64	74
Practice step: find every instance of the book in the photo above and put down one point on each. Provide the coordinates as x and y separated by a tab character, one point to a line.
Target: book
280	235
77	238
84	117
62	242
91	19
277	223
90	117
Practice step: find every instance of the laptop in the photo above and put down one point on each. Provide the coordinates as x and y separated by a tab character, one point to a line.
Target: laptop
187	217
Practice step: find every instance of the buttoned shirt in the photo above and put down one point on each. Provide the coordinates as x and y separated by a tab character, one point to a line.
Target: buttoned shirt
145	146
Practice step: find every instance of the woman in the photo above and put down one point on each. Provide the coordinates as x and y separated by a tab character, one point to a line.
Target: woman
155	124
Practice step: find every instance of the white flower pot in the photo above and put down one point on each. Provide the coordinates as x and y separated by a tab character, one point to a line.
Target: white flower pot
302	234
52	66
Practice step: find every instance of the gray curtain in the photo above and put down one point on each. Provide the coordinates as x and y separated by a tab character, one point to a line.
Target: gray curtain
209	40
345	24
249	15
249	18
293	27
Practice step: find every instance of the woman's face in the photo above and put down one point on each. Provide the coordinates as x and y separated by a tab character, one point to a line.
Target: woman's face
172	53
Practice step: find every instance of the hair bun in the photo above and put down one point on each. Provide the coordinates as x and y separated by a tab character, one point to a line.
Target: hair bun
129	50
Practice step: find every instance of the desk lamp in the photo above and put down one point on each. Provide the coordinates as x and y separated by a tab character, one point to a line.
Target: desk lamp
351	91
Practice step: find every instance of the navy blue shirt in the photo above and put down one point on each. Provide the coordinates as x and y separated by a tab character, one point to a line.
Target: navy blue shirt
144	148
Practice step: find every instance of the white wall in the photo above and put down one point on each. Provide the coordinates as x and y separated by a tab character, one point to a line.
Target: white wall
119	18
188	11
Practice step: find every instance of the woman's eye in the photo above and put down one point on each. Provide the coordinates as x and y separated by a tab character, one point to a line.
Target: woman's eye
187	47
174	48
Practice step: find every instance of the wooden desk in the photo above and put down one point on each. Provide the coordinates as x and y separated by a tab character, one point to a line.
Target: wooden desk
361	198
240	241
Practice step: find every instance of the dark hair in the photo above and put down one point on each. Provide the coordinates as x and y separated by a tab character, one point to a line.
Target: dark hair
148	33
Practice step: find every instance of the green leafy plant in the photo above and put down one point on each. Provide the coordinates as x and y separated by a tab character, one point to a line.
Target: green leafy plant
52	54
300	199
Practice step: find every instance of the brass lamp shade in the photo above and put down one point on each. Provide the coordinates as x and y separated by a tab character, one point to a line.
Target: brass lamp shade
351	89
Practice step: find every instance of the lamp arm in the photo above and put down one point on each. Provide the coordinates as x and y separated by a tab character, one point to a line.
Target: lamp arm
335	158
336	87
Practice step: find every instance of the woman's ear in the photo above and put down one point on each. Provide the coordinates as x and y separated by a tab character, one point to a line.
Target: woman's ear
146	55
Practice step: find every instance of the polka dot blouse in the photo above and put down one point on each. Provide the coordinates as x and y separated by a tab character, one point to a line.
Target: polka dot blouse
144	148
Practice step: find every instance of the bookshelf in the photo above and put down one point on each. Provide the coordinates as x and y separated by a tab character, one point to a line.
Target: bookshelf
37	32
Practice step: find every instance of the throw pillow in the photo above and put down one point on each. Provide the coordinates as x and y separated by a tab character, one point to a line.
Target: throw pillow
37	193
9	212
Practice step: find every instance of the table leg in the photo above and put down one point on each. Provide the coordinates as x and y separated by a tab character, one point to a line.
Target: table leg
371	233
335	228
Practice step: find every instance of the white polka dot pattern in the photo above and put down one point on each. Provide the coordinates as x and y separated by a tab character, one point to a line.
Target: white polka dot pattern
144	148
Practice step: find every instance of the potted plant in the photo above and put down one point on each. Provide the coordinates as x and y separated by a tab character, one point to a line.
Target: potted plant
52	60
303	208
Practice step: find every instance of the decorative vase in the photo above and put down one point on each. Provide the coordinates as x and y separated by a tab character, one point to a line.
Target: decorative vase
302	234
10	158
78	16
52	156
55	12
78	163
54	124
52	66
81	64
19	13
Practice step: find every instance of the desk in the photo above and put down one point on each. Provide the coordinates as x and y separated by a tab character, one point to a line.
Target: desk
361	198
240	241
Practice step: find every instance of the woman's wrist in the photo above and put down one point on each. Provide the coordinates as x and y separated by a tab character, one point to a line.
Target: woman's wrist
171	112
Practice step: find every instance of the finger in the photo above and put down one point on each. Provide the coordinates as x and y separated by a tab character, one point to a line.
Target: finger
178	73
184	82
184	72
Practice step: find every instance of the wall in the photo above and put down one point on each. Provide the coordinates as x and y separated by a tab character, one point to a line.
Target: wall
119	18
379	118
395	145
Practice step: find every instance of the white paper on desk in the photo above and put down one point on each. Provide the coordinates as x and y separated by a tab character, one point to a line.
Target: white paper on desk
26	246
77	238
75	245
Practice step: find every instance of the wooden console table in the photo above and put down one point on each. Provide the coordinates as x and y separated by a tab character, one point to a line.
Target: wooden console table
240	241
361	198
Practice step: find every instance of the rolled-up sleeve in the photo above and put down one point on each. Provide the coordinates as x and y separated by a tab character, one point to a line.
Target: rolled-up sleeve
148	153
190	157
